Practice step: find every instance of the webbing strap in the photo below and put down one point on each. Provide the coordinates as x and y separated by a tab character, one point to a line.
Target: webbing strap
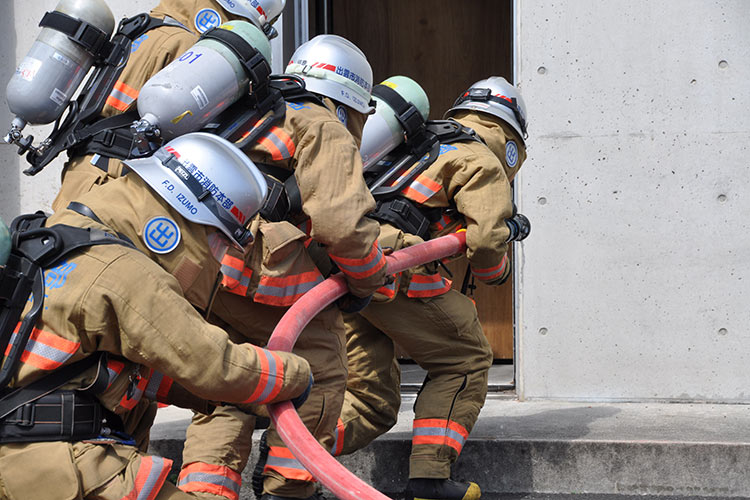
239	232
407	113
88	36
256	66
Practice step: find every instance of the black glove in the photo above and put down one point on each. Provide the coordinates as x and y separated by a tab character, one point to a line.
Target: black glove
300	400
350	303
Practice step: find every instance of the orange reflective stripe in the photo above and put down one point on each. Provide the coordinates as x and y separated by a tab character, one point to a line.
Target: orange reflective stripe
440	432
422	189
282	460
149	479
271	376
491	273
285	291
122	96
364	267
236	276
338	435
218	480
428	286
158	387
44	350
278	143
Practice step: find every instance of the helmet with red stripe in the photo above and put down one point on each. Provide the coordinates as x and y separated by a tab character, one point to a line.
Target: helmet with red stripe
207	180
334	67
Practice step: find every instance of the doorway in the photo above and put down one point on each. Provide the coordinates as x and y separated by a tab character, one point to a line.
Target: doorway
445	45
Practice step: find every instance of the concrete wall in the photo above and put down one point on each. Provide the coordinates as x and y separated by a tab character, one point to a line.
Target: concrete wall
634	284
18	24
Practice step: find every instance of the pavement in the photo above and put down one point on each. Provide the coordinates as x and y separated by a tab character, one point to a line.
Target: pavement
540	450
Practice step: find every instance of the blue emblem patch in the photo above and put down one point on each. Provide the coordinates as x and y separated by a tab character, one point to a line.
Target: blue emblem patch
56	277
161	235
341	114
511	154
206	19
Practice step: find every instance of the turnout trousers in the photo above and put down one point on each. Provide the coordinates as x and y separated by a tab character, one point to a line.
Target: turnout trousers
217	446
443	335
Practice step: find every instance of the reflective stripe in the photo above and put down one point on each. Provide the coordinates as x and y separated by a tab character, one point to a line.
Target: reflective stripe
338	439
428	286
388	290
114	369
151	475
207	478
122	96
306	227
278	143
271	376
439	432
281	460
158	387
422	189
491	273
236	275
129	402
287	290
44	350
364	267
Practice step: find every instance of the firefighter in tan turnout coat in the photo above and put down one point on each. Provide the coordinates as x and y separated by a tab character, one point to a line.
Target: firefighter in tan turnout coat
312	150
435	325
185	21
116	299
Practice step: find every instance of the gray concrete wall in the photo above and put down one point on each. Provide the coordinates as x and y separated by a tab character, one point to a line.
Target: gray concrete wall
634	284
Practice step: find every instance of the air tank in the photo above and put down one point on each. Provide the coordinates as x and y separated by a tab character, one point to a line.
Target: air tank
383	132
197	86
53	69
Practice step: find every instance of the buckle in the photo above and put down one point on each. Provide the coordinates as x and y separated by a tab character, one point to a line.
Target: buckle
26	415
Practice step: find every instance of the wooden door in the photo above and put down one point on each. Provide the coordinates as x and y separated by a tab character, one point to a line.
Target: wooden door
445	45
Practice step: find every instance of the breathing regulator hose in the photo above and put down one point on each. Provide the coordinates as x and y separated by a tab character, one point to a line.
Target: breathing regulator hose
293	432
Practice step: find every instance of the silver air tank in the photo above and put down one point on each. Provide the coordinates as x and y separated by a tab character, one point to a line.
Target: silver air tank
382	132
53	69
193	89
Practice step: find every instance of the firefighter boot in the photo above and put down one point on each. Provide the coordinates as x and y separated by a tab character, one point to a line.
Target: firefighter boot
441	489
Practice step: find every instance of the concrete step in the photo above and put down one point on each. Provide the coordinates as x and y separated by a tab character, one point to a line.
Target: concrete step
540	450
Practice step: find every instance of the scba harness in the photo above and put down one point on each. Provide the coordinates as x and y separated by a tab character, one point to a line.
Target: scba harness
82	121
42	411
389	176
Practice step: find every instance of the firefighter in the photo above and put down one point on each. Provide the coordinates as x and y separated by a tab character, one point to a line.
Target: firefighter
438	327
115	326
314	155
184	22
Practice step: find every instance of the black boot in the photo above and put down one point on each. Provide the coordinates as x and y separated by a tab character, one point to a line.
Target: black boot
257	481
441	489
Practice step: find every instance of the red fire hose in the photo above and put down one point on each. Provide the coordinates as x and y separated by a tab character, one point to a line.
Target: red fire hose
303	445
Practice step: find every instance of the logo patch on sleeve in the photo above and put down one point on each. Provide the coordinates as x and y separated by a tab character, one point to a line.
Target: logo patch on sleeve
161	235
206	19
511	154
341	114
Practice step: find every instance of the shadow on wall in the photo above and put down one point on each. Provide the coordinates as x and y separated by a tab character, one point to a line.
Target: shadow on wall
10	171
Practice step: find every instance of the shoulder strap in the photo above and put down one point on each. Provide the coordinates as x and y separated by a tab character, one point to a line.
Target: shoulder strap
450	131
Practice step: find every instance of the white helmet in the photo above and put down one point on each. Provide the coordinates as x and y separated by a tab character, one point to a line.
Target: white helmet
208	181
494	95
334	67
402	108
262	13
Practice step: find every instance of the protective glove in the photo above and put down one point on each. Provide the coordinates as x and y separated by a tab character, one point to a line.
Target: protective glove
350	303
299	400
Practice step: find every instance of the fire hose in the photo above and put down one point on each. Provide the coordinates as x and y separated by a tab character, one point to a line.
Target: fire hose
318	461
